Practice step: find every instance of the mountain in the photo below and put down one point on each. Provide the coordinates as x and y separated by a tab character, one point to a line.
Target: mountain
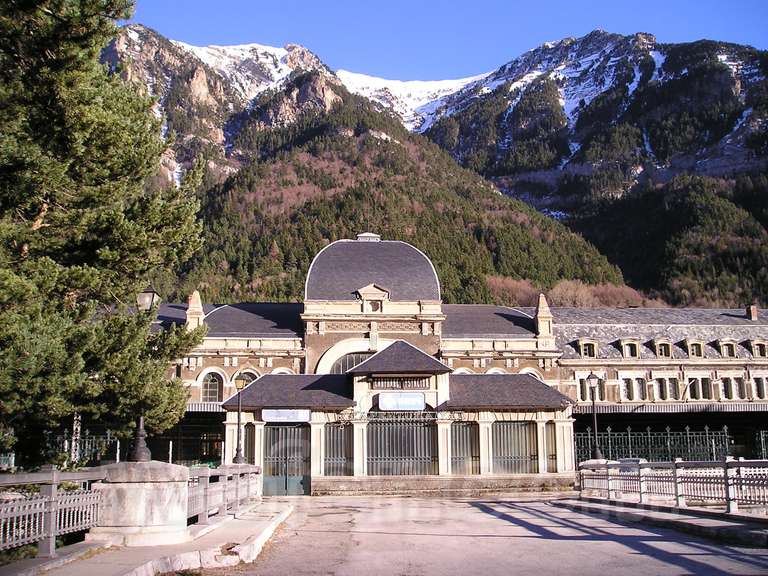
594	116
597	130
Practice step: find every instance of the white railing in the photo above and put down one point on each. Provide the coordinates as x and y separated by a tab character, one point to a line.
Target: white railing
213	491
726	482
34	508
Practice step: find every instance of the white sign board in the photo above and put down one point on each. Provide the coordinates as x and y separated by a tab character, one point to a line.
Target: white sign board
282	415
401	401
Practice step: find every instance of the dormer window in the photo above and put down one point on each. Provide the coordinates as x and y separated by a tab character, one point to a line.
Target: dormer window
727	349
759	348
663	349
372	298
630	348
695	349
588	348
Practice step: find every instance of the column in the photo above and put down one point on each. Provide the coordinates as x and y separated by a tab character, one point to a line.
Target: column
360	446
564	442
317	444
541	444
444	447
258	444
485	422
230	437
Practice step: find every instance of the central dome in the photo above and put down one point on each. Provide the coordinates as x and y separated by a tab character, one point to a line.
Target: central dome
343	267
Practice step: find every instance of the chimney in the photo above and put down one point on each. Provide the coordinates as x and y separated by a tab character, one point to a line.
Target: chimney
195	314
752	312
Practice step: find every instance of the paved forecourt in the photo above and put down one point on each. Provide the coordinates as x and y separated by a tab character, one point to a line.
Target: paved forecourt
413	536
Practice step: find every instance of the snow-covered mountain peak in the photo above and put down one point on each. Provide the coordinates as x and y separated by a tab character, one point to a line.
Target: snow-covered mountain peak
254	68
411	100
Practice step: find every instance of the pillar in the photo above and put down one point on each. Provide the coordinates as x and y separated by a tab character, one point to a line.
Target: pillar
541	444
485	423
443	447
565	447
317	444
258	444
360	447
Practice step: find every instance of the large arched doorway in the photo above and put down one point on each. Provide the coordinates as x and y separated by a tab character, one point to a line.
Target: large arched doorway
348	361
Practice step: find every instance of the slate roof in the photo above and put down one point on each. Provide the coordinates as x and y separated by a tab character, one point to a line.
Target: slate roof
400	357
344	266
484	320
608	326
246	319
502	391
328	391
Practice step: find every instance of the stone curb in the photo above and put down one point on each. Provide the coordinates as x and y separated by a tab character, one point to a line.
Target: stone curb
52	563
213	557
741	533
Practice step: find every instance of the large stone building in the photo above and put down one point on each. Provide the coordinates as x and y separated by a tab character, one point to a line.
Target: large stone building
373	380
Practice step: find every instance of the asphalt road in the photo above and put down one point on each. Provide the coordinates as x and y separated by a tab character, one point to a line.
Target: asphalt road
368	536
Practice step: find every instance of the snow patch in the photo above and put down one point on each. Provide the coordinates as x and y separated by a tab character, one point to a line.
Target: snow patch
412	100
658	60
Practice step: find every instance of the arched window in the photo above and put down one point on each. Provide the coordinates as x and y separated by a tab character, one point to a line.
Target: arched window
349	361
248	376
213	387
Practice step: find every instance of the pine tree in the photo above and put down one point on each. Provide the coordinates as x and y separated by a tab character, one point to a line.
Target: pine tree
80	232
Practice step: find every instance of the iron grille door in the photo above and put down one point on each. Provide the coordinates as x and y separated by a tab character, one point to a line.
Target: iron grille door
338	449
515	448
402	444
551	444
465	448
286	459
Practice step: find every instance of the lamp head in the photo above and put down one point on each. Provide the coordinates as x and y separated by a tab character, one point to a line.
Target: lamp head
593	381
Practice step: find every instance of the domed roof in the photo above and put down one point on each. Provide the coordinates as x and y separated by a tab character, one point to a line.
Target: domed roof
343	267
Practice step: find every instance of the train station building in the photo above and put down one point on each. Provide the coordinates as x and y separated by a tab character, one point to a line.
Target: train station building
373	384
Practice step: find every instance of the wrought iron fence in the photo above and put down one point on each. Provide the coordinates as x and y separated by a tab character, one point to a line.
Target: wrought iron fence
761	444
687	444
515	449
213	491
87	447
727	482
402	443
35	509
465	448
338	449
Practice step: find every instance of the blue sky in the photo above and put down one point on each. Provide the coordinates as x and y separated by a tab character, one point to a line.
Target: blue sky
414	39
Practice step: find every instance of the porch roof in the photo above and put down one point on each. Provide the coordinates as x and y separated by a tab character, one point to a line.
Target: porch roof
327	391
503	391
400	357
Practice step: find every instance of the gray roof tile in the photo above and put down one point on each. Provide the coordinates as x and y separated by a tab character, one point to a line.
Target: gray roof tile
486	321
273	320
400	357
510	391
330	391
344	266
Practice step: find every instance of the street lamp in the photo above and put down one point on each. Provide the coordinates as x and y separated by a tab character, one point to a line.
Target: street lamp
241	381
593	381
147	298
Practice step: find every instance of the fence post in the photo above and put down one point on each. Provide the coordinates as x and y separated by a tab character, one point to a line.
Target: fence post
247	488
608	480
641	482
236	476
205	482
223	482
679	496
46	548
731	503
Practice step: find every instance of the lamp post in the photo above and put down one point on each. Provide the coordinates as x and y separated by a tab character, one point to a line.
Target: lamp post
593	381
140	452
241	381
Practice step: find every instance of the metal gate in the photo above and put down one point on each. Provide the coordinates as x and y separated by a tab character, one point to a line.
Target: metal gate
402	443
515	448
286	459
465	448
338	449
